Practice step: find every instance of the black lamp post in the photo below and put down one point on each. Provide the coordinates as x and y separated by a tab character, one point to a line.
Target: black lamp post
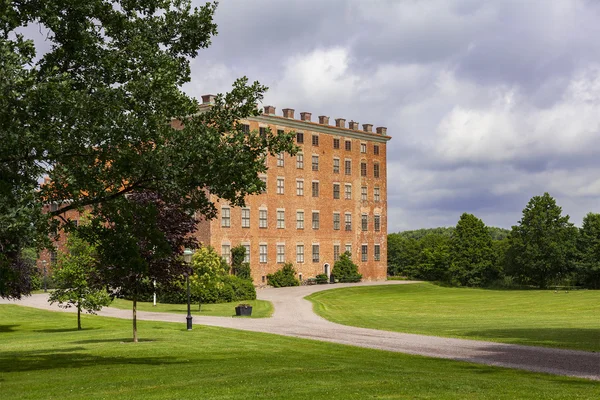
187	257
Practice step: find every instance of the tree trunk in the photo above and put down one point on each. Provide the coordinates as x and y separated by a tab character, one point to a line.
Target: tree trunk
78	316
135	338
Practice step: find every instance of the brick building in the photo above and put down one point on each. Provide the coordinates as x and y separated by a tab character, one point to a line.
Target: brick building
329	198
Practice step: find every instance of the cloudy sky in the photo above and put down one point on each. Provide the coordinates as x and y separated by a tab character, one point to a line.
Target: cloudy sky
488	102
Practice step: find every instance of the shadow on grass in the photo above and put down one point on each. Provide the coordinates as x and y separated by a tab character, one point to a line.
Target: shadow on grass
124	340
7	328
71	358
63	330
584	339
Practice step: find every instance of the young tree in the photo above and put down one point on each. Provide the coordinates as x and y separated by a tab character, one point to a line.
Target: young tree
284	277
240	268
472	253
208	268
542	244
345	270
588	245
76	279
93	114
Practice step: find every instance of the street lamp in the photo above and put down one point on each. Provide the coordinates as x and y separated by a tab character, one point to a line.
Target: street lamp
187	258
45	284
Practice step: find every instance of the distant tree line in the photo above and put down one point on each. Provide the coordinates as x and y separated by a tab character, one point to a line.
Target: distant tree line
544	249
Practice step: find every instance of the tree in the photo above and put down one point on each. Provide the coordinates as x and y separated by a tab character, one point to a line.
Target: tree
588	246
542	244
472	253
240	268
345	270
94	114
208	268
76	284
284	277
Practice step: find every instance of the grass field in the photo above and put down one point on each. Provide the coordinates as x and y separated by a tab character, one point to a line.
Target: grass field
530	317
42	357
260	308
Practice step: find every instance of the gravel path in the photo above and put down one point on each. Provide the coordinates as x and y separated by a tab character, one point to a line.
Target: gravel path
293	316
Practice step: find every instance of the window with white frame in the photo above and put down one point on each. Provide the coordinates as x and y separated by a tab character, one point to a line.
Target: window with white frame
363	193
364	222
263	253
364	249
336	252
377	222
377	252
280	159
299	160
348	167
315	189
315	253
245	218
336	190
376	170
363	147
247	254
315	163
348	221
262	218
348	249
336	221
363	169
280	253
300	253
348	191
348	145
226	252
225	217
300	219
336	143
300	187
376	193
315	220
263	178
336	165
376	149
280	219
280	185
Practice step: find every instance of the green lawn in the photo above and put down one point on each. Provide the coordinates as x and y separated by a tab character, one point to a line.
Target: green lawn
43	357
529	317
260	308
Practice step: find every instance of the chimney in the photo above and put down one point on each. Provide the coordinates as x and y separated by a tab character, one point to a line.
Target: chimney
382	130
367	127
208	99
353	125
305	116
288	112
323	120
340	122
269	110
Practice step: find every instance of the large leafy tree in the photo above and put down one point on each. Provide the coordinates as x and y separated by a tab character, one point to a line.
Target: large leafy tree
472	253
588	245
93	114
542	244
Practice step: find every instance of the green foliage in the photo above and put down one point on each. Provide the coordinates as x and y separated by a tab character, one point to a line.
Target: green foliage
345	270
497	233
284	277
76	279
588	246
243	271
427	258
238	266
321	279
543	244
473	256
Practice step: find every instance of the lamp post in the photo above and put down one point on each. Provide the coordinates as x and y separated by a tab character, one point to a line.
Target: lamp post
45	284
187	257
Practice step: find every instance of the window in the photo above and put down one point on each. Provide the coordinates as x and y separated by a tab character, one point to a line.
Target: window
263	132
280	253
315	140
263	253
225	217
262	218
363	252
348	192
315	220
315	189
363	169
280	160
348	167
315	163
245	218
363	147
336	143
376	193
299	219
363	193
226	252
247	255
336	190
377	222
245	129
376	149
280	219
264	180
280	185
336	221
300	187
348	145
376	170
336	165
315	253
300	253
364	222
299	160
336	252
53	258
348	248
348	221
377	254
299	137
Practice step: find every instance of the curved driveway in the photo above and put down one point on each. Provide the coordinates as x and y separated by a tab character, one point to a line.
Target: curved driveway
294	316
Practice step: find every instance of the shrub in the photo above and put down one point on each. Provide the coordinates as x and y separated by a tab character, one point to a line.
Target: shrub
345	270
242	271
285	277
321	279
